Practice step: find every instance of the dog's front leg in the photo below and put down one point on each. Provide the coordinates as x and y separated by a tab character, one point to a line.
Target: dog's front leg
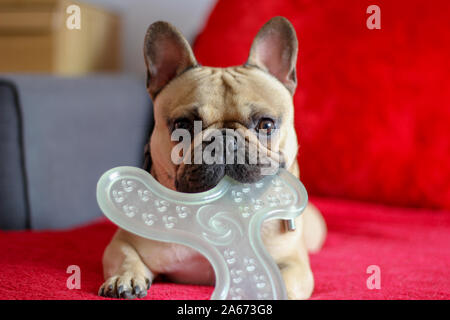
295	268
289	251
297	276
126	274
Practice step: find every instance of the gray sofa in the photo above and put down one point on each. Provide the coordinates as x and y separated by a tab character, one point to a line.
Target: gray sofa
57	136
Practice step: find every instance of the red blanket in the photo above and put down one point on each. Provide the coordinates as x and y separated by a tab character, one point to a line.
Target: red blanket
372	106
410	246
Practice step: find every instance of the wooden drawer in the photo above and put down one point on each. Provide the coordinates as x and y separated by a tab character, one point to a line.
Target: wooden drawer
34	38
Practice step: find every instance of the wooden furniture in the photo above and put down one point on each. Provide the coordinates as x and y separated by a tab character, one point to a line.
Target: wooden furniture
34	38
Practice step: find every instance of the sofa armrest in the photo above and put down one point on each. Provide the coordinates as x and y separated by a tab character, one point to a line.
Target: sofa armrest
14	206
73	130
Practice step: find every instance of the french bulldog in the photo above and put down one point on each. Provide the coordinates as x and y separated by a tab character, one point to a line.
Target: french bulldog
257	95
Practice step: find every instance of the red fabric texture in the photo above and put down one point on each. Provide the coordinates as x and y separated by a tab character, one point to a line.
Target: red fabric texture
411	247
372	106
372	114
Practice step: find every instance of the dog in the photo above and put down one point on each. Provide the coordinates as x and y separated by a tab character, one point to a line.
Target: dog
257	95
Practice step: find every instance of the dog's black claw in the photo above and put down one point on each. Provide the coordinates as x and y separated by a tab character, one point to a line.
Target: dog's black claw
128	295
127	291
110	291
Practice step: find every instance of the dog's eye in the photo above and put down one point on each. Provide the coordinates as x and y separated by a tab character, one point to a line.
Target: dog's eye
182	123
266	124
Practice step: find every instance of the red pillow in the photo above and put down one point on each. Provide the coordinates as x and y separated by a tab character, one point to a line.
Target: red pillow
372	106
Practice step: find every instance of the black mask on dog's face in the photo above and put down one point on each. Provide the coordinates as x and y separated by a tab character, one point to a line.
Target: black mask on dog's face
233	157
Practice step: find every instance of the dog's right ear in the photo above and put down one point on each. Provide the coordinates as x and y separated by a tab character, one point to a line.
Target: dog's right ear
167	54
275	50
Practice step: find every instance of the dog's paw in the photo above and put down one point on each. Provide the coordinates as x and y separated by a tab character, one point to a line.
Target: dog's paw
299	281
125	286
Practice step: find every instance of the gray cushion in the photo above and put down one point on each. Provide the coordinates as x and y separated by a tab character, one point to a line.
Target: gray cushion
74	130
13	192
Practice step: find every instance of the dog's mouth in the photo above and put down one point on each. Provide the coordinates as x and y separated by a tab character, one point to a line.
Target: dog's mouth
203	177
244	167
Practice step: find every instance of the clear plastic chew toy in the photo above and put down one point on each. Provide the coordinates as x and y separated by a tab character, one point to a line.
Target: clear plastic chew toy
223	223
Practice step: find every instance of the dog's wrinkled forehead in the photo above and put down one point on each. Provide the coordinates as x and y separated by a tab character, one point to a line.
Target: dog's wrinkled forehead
266	81
235	94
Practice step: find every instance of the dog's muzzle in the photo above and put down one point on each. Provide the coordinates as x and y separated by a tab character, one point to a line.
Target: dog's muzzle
231	156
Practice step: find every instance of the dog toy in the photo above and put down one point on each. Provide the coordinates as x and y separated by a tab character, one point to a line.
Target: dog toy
223	223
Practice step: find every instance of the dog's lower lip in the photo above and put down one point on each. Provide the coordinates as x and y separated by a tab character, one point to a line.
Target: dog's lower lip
187	186
194	190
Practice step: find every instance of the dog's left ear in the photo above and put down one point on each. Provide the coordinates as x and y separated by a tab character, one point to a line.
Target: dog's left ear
167	54
275	49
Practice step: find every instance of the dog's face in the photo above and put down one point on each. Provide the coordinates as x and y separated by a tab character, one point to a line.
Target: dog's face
254	101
